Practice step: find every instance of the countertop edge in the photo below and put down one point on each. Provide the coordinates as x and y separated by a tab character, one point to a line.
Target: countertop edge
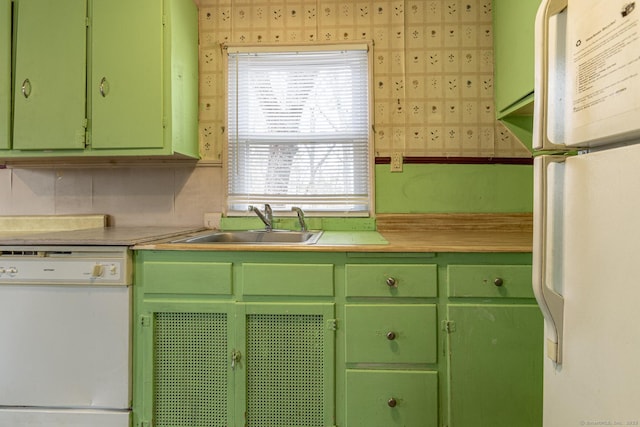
480	241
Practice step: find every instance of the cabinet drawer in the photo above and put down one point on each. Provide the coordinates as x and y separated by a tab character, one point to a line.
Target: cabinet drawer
396	280
287	279
187	278
504	281
392	398
391	333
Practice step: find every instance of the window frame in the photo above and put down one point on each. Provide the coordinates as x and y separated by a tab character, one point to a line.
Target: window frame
288	47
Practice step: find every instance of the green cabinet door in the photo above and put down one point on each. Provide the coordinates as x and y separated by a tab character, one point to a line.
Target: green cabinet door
126	88
5	74
183	374
50	74
289	364
495	365
513	27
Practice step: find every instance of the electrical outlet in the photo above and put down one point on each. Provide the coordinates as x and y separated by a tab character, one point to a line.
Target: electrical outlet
396	161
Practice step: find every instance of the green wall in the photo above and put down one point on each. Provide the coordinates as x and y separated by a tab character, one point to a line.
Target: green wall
438	188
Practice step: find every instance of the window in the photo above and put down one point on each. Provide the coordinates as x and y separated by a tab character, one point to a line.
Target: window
299	129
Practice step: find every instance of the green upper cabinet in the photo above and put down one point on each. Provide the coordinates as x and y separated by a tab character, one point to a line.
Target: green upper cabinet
126	74
50	75
513	29
115	78
5	73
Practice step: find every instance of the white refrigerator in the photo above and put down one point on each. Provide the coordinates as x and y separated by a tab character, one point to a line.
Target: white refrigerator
587	209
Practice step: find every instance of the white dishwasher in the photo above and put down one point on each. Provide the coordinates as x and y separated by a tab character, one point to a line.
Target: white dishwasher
65	336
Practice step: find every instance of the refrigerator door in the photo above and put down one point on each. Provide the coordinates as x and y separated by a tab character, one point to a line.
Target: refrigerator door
598	269
587	73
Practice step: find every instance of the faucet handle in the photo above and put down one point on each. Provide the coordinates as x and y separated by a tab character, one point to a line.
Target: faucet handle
300	212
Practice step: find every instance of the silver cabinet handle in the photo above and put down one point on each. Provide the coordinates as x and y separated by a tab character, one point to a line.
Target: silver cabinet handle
104	87
26	88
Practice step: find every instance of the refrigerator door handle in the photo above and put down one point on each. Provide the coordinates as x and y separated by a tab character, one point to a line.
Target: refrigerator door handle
551	302
541	95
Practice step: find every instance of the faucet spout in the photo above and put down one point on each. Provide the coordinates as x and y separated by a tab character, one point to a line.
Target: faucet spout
303	224
266	218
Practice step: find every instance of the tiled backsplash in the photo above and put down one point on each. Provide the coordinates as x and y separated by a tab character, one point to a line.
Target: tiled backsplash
433	67
135	195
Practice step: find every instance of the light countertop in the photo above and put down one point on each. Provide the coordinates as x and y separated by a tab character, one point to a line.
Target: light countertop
396	233
402	233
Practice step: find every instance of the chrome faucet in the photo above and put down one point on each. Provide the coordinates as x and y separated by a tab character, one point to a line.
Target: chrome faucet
267	217
303	224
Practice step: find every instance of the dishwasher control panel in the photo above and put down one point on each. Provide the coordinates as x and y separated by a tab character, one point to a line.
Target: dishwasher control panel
65	265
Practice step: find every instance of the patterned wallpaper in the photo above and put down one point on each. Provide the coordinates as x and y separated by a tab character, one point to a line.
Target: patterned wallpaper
433	68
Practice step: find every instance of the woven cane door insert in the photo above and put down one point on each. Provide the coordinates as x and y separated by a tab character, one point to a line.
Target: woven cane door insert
190	370
285	370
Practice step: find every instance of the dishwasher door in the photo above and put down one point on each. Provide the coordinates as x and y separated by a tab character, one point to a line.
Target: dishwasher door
65	346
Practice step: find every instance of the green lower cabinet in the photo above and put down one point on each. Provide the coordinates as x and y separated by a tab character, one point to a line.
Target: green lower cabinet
288	368
266	339
495	365
236	364
388	398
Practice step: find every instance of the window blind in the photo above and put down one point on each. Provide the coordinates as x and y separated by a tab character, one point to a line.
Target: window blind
298	130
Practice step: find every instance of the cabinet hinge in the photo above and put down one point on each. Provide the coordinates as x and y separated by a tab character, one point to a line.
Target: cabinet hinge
164	19
332	324
87	22
448	326
145	321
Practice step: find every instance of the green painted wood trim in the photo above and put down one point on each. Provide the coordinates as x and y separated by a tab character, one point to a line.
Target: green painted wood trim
181	91
436	188
287	279
522	128
203	278
5	74
480	281
409	280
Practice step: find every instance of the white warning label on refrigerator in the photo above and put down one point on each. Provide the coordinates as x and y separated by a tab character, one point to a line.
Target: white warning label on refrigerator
604	45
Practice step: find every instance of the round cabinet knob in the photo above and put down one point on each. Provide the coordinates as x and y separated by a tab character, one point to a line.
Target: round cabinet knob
392	402
498	281
391	335
391	282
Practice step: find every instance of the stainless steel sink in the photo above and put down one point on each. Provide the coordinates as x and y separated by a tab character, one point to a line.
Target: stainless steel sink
259	237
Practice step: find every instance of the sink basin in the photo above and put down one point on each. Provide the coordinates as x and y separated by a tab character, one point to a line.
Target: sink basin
259	237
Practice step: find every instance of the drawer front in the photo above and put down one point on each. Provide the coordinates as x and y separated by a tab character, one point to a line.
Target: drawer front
287	279
209	278
392	398
391	280
391	333
499	281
